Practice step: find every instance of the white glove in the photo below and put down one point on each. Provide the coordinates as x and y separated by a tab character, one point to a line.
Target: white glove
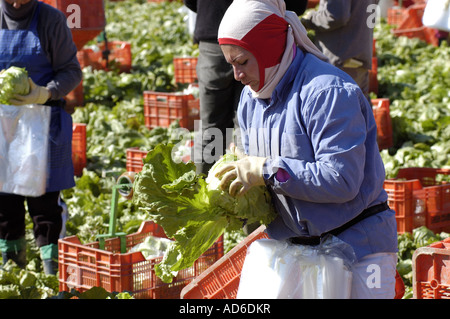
38	95
234	150
242	175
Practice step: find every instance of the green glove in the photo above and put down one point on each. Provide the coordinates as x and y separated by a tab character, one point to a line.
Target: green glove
38	95
242	175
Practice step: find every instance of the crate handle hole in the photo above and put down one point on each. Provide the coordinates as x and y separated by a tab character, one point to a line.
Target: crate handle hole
434	284
161	99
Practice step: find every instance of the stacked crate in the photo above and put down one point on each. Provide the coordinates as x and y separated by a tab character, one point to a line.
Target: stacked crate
185	69
419	198
78	148
162	108
408	22
381	112
119	53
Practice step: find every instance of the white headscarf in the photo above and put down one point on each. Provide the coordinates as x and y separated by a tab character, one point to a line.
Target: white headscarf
258	26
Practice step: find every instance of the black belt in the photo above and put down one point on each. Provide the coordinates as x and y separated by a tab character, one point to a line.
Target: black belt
60	103
315	240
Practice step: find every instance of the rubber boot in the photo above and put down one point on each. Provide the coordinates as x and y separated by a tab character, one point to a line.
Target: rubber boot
16	250
49	257
20	257
50	266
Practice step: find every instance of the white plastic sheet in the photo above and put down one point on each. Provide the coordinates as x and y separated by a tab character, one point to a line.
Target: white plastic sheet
152	247
24	149
437	15
280	270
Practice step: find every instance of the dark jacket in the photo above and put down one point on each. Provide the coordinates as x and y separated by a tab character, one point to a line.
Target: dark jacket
342	30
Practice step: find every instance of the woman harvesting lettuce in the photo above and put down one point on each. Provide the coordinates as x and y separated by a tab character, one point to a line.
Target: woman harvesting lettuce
310	138
34	37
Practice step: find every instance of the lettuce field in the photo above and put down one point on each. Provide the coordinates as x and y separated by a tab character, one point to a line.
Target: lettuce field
414	75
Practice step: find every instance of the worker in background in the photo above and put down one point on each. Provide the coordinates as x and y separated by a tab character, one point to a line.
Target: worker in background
344	33
35	36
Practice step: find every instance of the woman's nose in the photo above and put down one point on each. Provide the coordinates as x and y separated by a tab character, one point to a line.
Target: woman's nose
238	74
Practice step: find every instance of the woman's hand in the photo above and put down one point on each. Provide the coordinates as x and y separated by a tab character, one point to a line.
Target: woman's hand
38	95
242	175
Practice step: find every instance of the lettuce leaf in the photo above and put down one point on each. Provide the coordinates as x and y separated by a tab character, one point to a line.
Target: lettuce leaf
13	81
191	211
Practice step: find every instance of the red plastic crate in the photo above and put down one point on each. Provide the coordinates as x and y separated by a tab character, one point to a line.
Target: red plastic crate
120	54
75	98
312	3
185	69
221	281
420	183
78	148
406	18
407	3
135	157
423	33
395	15
381	112
85	266
161	109
374	48
373	76
89	13
431	271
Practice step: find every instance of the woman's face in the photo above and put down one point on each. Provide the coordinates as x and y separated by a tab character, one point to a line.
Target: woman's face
245	65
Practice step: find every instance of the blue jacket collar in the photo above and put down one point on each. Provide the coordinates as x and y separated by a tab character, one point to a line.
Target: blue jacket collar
289	76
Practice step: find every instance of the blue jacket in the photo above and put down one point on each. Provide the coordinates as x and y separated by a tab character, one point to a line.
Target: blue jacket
318	129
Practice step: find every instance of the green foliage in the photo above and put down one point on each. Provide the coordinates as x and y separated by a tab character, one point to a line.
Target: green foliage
157	33
16	283
415	76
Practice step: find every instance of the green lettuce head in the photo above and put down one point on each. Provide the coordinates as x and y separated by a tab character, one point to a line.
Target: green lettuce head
192	210
253	207
13	81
